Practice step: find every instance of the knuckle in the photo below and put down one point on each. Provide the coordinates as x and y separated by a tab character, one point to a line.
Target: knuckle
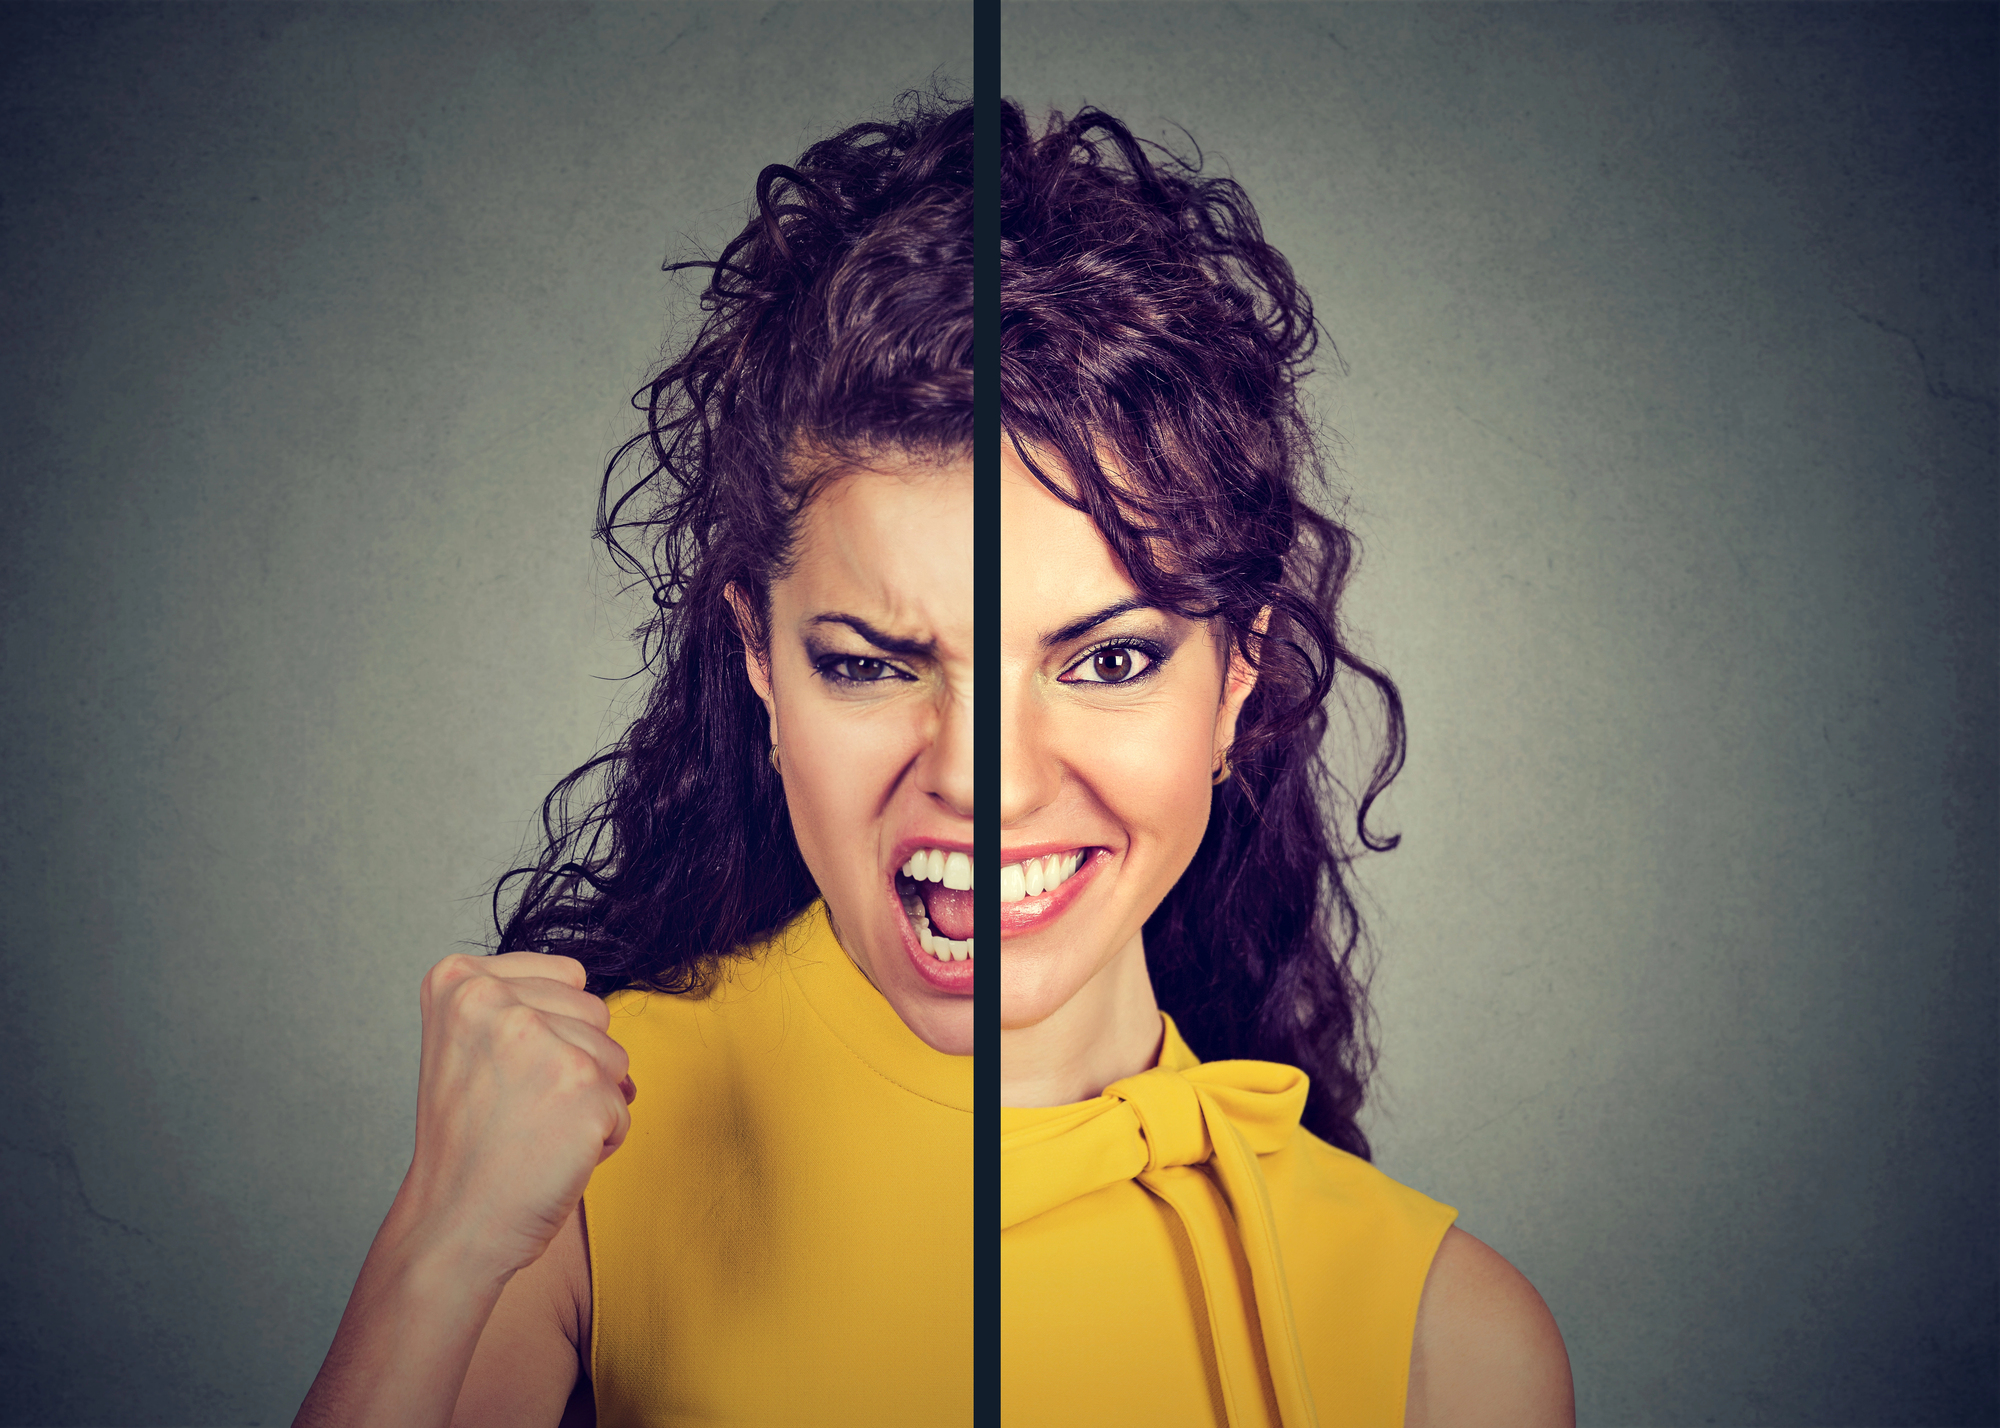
616	1122
445	971
471	998
516	1021
576	1067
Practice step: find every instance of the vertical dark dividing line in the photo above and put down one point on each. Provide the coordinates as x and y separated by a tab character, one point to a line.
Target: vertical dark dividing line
986	709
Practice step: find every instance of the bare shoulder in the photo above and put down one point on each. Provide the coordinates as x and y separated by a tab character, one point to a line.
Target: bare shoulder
1487	1352
531	1359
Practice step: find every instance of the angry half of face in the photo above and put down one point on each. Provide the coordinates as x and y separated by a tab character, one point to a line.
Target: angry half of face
866	670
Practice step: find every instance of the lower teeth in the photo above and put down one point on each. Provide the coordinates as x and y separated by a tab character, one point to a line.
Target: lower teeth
942	948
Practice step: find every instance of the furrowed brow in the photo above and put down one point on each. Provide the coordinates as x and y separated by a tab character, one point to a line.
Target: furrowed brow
1077	628
894	644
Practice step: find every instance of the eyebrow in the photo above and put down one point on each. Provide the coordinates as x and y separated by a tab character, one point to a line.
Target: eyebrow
894	644
1084	626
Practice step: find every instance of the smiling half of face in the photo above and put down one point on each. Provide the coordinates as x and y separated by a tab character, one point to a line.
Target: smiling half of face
868	679
1113	713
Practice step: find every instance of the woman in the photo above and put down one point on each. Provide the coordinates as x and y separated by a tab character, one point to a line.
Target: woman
773	887
1190	1242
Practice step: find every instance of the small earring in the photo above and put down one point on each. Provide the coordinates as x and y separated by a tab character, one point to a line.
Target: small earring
1221	769
774	759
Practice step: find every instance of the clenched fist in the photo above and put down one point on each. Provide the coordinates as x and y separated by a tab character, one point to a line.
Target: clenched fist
521	1094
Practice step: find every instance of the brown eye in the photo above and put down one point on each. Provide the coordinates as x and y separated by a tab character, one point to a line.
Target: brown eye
1114	664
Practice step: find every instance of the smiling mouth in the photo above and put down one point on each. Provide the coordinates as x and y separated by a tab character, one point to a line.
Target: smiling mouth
1031	877
935	888
1034	892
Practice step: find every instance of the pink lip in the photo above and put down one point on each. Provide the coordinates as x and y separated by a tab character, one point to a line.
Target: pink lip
954	979
1031	914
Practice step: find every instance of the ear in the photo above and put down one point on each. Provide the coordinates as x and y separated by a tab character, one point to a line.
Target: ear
1238	679
756	655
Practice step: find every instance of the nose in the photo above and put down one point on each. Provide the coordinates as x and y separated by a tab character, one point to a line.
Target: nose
1030	772
946	770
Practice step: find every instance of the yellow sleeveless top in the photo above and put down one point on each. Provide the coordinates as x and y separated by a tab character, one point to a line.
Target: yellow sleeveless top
1179	1251
786	1235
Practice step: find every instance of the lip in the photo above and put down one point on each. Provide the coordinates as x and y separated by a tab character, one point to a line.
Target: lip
953	979
1032	914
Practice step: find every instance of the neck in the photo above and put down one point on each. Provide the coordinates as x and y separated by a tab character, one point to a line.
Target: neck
1109	1030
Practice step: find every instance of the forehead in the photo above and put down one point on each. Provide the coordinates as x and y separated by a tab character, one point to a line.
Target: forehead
1053	562
892	543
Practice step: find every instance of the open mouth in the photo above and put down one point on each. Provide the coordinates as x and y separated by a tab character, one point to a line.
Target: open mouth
935	888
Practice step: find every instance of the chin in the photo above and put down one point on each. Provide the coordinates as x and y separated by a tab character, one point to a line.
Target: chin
946	1027
1036	985
926	977
941	1018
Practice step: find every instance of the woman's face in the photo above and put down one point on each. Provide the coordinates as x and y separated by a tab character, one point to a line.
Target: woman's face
868	679
1113	714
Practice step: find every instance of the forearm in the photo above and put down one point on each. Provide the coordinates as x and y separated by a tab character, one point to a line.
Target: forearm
520	1094
409	1331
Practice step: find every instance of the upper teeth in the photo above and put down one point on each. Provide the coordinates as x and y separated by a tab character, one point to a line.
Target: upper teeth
954	870
1033	876
934	865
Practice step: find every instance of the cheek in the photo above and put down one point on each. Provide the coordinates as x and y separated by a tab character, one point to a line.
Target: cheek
1154	776
842	764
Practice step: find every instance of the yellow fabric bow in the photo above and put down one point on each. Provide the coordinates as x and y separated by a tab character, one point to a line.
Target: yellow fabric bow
1159	1128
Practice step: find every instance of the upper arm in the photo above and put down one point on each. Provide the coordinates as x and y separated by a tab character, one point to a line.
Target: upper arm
1487	1352
533	1351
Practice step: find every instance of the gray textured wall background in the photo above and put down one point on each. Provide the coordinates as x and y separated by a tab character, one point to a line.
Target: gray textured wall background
1669	422
1669	419
320	323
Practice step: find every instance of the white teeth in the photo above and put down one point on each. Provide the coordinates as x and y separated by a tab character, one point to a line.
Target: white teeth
934	865
942	948
1032	877
954	870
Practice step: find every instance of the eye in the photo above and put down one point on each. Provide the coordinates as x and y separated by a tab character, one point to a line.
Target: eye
857	669
1109	664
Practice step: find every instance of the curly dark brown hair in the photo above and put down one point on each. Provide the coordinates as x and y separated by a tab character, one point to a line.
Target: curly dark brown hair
838	329
1152	347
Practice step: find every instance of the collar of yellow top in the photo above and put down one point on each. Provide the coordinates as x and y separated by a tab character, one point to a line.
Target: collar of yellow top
1166	1115
861	1019
1169	1128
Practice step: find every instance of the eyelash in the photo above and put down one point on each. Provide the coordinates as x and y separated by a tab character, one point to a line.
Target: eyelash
1154	656
827	668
